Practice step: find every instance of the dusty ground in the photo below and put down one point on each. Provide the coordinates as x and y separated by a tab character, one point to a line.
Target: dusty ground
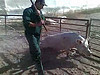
15	60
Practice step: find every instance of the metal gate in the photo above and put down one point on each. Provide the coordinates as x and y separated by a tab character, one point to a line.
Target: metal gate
94	33
59	24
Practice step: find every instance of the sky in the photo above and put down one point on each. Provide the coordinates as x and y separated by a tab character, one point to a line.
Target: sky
57	3
13	6
73	3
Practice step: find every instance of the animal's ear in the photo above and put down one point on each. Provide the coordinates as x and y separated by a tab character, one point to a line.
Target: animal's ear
79	41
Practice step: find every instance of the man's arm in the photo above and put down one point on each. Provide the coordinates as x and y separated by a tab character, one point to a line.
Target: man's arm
26	17
31	24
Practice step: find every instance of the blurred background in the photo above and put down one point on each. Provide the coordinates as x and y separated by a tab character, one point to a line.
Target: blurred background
68	8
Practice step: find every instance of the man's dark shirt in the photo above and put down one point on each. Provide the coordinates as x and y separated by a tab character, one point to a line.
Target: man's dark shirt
30	15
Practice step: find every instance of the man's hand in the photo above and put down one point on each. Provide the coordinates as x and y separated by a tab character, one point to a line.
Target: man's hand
41	23
32	24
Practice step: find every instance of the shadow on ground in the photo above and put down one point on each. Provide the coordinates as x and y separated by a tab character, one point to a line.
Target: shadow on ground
49	58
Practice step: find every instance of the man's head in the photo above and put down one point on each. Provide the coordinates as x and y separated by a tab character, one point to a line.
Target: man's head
39	4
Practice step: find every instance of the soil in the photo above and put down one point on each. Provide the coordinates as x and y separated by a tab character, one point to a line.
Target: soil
15	59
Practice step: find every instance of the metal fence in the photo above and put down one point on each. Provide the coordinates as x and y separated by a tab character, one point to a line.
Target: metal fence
95	35
10	23
80	26
87	28
14	22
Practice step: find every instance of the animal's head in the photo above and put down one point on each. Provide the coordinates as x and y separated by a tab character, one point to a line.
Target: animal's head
83	47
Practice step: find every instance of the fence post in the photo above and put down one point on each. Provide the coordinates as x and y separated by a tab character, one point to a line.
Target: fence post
87	29
60	24
89	26
5	25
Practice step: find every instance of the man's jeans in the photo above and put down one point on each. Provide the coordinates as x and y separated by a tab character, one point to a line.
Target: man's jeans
35	52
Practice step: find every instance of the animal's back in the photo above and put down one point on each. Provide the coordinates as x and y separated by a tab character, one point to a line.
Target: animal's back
61	40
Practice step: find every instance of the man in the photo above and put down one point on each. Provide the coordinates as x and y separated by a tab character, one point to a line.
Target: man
33	20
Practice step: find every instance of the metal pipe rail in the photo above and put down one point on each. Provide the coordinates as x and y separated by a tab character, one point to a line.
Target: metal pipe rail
94	33
87	25
60	22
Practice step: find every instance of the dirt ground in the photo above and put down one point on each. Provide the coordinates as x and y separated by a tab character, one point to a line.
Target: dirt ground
15	60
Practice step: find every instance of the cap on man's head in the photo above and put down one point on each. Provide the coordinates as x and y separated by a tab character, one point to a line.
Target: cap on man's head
41	1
